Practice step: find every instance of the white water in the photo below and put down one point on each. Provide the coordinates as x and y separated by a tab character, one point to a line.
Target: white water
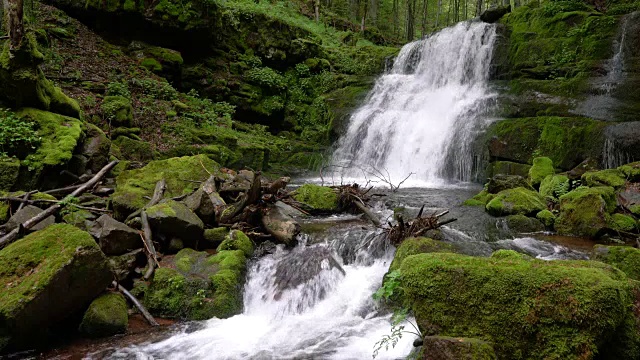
422	116
332	316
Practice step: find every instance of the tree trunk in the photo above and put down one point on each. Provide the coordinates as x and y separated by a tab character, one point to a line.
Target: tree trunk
364	16
425	5
317	6
410	20
13	14
478	7
438	13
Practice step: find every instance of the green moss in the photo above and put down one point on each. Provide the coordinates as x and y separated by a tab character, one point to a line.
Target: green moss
622	222
317	197
546	217
237	240
509	168
134	185
413	246
216	235
585	211
631	171
151	64
528	308
134	150
625	258
542	167
118	109
165	56
9	168
480	199
554	186
516	201
610	177
106	316
523	224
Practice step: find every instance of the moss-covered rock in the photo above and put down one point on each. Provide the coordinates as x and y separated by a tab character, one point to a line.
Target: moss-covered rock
480	199
622	222
134	150
197	286
237	240
444	348
82	219
38	271
541	168
631	171
625	258
215	236
9	169
505	182
527	308
316	197
174	219
106	316
134	185
610	177
546	217
516	201
118	110
523	224
554	186
421	245
585	211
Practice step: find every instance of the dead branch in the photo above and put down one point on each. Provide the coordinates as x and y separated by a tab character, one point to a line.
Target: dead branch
158	193
417	227
137	304
147	240
14	234
25	197
23	201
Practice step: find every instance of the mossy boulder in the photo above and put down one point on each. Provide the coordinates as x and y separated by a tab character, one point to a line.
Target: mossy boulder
237	240
508	168
625	258
524	224
420	245
316	197
118	110
554	186
114	237
173	219
9	169
95	148
215	236
631	171
107	315
585	211
610	177
541	168
480	199
455	348
527	308
506	182
516	201
47	277
622	222
134	150
134	185
546	217
196	286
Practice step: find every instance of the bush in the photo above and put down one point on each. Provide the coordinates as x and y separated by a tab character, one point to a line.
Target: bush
118	89
17	136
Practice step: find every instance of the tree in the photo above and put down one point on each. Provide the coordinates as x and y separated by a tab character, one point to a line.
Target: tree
13	21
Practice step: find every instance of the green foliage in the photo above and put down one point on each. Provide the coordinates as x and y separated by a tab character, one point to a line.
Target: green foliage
17	135
391	286
554	186
267	78
118	89
160	90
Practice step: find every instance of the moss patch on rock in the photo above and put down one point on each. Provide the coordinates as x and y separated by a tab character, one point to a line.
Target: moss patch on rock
622	222
585	211
237	240
106	316
516	201
610	177
625	258
317	197
546	217
541	168
421	245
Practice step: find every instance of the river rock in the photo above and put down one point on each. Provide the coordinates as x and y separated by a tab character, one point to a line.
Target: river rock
47	277
317	198
205	202
516	201
107	315
173	219
456	348
524	306
585	211
195	286
494	13
505	182
25	214
114	237
282	226
303	264
523	224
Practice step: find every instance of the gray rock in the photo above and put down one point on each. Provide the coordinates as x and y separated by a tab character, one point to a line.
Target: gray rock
494	14
25	214
124	265
505	182
173	219
205	202
282	226
116	238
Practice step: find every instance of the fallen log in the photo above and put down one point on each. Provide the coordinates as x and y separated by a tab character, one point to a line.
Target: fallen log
25	197
137	304
15	234
365	210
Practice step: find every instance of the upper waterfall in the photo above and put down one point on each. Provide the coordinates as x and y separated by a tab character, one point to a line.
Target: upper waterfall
422	116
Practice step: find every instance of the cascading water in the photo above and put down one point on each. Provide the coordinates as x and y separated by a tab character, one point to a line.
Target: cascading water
423	116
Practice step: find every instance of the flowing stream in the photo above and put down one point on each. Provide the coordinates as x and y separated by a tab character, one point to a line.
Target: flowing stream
422	117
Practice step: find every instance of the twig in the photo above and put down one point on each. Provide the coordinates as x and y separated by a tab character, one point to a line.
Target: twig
62	190
23	201
158	193
25	197
14	234
137	304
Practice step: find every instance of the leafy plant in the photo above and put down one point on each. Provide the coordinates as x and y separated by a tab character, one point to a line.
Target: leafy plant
118	89
17	136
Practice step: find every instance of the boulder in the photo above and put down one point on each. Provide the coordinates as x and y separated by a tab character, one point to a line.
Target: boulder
623	222
455	348
525	307
610	177
81	219
25	214
173	219
317	198
195	286
206	202
625	258
47	277
494	13
9	169
114	237
541	168
123	266
118	110
516	201
134	185
282	226
629	198
585	211
421	245
133	149
95	148
546	217
215	236
106	316
523	224
554	186
505	182
303	264
237	240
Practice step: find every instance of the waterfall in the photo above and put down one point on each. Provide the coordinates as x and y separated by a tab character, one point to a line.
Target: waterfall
423	115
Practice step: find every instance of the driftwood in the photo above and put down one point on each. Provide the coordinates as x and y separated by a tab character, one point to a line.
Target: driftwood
25	197
15	234
137	304
158	193
250	197
417	227
147	239
65	189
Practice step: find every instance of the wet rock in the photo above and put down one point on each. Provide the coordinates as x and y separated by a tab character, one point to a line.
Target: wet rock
516	201
215	236
282	226
541	168
115	238
174	219
523	224
205	202
456	348
46	277
25	214
625	258
303	264
585	211
545	299
265	248
505	182
123	266
421	245
106	316
195	286
494	13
